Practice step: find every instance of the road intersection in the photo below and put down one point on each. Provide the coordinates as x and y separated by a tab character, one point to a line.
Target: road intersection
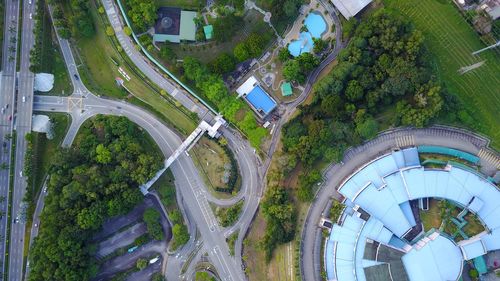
82	105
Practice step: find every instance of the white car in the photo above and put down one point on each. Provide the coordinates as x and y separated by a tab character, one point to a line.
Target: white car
21	174
29	2
36	225
24	98
45	190
31	16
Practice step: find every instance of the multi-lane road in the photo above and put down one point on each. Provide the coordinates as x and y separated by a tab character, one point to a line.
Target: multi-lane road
7	98
23	117
193	194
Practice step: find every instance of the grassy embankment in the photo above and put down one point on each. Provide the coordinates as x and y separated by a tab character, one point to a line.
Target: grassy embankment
452	40
51	57
101	57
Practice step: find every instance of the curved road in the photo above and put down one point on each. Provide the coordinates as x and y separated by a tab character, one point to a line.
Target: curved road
356	158
83	105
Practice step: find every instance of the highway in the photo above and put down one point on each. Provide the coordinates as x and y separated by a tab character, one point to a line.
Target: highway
7	97
23	117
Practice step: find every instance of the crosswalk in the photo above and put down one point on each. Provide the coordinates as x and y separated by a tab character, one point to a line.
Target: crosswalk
405	141
490	157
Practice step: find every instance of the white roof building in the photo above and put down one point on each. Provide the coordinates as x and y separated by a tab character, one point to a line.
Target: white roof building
349	8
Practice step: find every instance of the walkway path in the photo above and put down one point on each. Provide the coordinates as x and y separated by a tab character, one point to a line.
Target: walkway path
355	158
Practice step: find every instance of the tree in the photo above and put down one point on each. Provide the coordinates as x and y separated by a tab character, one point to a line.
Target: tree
141	264
241	52
368	128
110	31
226	26
127	30
158	277
224	63
292	71
142	13
319	45
103	155
167	53
354	92
284	54
152	219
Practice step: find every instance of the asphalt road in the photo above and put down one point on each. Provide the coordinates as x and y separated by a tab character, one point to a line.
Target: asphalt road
83	105
23	119
7	97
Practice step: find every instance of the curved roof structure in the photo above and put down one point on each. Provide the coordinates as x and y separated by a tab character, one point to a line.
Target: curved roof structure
378	238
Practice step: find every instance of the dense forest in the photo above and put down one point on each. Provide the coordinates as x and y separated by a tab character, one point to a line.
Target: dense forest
98	177
384	67
213	88
79	22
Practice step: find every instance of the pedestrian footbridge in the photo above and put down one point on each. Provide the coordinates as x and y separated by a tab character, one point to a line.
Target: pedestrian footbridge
186	145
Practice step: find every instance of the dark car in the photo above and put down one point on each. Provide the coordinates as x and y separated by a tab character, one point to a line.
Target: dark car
76	77
10	117
4	144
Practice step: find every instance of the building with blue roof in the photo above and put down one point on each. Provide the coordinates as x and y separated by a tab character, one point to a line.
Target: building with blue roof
379	238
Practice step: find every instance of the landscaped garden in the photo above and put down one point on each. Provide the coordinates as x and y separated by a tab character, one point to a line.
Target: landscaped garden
451	219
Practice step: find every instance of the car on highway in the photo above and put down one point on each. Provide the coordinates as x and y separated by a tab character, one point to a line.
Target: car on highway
45	190
29	2
3	110
21	174
24	98
31	16
36	225
4	145
10	117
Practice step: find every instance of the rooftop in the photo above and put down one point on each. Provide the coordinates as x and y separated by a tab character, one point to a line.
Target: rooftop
386	188
349	8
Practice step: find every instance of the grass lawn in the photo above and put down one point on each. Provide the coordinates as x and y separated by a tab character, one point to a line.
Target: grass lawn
98	71
210	158
451	40
52	60
184	4
431	218
44	148
253	22
474	226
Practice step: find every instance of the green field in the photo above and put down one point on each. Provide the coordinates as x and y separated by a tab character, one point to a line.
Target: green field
452	40
51	59
184	4
98	70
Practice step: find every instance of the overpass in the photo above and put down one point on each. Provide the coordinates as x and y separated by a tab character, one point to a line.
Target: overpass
186	146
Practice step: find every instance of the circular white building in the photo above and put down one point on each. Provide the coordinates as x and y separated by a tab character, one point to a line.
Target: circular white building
380	237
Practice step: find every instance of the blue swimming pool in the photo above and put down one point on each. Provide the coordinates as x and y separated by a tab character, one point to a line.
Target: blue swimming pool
260	100
316	25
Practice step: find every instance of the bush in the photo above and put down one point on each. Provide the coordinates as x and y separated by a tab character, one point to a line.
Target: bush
141	264
473	273
152	219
